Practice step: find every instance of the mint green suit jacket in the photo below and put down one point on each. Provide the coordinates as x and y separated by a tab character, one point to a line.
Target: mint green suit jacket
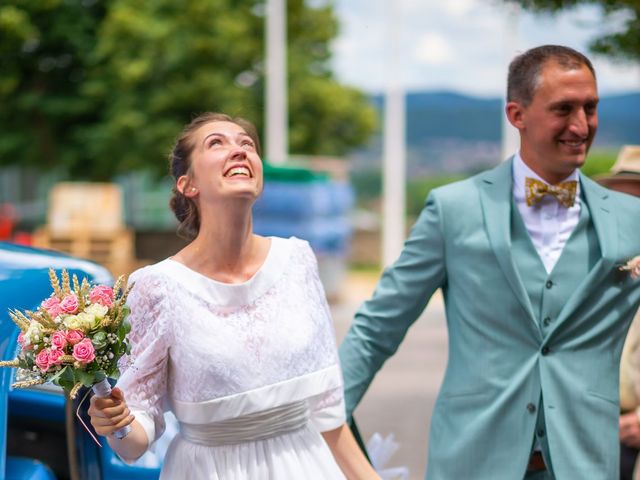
500	361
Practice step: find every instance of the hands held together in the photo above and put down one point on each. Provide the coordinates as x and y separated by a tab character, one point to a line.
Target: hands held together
630	429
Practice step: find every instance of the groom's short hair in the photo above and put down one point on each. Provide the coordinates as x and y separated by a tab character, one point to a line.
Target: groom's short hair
524	70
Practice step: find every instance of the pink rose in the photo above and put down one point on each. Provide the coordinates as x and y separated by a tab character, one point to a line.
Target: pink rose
84	351
43	360
69	304
52	306
55	357
58	340
102	295
74	336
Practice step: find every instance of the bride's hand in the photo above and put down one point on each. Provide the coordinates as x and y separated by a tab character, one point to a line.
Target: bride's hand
109	414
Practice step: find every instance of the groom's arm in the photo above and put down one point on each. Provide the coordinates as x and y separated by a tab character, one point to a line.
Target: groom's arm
399	298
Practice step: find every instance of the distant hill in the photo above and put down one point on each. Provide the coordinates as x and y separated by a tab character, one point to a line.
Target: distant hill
448	131
619	120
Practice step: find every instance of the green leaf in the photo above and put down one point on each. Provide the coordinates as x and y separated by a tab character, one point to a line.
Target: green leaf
99	340
123	330
66	379
58	375
87	379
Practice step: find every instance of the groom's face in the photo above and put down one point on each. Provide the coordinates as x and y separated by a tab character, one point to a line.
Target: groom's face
558	126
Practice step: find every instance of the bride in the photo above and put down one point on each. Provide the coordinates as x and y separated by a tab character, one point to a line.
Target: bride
232	334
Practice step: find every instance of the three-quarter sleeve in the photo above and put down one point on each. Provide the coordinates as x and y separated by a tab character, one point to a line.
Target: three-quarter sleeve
144	371
327	411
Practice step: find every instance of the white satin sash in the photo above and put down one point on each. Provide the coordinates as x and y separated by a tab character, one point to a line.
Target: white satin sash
248	428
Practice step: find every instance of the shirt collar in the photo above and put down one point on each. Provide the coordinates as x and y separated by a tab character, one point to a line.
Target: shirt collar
521	171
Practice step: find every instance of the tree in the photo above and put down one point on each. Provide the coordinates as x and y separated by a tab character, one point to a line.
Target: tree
103	87
44	54
624	44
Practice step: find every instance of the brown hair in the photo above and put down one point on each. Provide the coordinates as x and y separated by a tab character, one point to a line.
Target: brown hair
185	209
524	70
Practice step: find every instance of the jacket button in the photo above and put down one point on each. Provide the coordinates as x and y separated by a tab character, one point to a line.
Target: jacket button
545	350
546	321
549	284
541	432
531	407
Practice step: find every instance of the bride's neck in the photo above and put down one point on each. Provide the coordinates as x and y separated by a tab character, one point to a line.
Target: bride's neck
226	249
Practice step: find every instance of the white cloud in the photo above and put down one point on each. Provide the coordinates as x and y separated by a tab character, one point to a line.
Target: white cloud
433	49
462	45
459	8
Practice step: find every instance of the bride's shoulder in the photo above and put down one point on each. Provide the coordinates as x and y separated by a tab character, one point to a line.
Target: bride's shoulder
300	255
292	244
152	278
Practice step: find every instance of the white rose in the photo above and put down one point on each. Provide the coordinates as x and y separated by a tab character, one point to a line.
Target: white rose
97	310
72	322
88	321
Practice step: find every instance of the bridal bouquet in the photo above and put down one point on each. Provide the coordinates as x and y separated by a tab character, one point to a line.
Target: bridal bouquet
75	337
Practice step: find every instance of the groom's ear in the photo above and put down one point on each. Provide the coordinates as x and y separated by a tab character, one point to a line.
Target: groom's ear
514	111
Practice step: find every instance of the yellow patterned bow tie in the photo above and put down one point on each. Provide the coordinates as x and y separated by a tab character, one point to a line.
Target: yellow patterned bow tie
564	192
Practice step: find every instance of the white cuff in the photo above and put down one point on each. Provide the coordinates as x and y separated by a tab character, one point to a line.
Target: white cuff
329	417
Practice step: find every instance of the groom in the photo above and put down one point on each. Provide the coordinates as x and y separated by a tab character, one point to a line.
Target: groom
527	257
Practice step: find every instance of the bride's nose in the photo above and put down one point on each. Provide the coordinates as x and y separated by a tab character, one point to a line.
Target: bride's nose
238	153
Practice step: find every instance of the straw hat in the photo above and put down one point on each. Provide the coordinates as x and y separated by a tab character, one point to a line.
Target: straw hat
628	160
625	173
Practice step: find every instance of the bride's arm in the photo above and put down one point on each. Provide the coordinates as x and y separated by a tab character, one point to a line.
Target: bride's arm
348	454
110	414
143	374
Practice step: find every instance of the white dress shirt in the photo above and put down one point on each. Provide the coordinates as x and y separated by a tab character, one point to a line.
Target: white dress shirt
549	223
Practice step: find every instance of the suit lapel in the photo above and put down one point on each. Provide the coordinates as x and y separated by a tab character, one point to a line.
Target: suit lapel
604	223
495	195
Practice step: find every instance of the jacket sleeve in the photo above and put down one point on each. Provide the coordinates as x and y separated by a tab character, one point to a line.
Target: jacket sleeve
398	300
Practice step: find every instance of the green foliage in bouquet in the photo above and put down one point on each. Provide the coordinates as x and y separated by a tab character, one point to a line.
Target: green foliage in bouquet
76	336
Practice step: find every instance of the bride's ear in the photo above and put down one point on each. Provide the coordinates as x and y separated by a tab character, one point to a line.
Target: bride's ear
185	187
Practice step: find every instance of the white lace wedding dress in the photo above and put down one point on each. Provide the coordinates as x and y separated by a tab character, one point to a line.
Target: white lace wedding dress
250	370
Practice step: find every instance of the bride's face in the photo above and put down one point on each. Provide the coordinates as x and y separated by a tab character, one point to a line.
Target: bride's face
224	164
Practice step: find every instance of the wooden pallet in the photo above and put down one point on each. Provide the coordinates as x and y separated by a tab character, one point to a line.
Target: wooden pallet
86	220
101	247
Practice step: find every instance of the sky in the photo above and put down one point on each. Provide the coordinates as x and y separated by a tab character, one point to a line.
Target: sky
460	45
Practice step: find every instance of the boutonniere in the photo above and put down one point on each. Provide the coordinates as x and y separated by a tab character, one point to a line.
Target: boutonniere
633	267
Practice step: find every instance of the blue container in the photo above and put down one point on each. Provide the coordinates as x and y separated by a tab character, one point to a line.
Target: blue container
316	211
325	234
304	200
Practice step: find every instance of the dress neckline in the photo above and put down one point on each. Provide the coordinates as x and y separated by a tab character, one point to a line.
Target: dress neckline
264	266
234	294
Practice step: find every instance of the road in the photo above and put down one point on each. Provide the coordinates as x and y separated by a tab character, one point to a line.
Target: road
401	398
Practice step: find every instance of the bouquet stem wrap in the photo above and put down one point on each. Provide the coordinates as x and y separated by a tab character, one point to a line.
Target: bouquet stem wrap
102	389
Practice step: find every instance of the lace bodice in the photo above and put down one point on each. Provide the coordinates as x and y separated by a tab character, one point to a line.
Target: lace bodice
195	339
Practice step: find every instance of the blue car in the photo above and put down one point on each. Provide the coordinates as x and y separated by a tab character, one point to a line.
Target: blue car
40	436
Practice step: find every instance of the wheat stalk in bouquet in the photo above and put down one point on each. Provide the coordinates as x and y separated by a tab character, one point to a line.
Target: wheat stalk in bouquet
75	337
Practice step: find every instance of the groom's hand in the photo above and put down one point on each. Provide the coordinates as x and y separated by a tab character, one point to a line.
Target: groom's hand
630	429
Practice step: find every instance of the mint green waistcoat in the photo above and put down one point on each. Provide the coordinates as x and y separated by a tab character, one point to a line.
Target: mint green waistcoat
548	292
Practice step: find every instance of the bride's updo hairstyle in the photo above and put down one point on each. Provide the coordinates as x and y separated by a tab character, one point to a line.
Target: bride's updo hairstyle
186	209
